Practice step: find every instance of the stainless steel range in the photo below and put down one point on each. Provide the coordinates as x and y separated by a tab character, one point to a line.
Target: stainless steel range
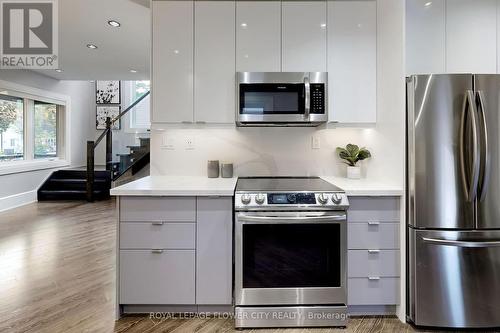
290	253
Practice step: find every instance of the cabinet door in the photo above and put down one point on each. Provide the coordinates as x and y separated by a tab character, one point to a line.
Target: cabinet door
352	61
214	251
214	86
258	36
425	37
172	68
304	36
471	36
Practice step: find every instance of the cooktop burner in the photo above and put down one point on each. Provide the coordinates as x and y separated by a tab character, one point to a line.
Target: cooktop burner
286	184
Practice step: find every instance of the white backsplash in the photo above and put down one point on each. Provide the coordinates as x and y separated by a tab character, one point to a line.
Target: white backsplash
266	151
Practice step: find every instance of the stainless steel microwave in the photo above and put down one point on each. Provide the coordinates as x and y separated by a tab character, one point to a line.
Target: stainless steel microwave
281	98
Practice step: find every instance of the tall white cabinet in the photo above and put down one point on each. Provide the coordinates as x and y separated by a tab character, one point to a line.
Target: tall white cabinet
258	36
214	65
471	41
304	34
352	61
452	36
426	41
172	67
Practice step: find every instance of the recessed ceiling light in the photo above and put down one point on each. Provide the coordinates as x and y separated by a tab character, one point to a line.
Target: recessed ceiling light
323	25
59	70
427	4
133	71
92	46
244	25
114	23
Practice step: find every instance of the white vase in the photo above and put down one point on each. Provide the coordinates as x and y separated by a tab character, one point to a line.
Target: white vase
353	172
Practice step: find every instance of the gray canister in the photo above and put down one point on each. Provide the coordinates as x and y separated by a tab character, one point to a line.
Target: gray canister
213	169
227	170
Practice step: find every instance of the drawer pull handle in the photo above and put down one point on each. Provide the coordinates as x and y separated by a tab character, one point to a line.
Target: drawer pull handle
373	251
158	251
157	223
373	278
373	223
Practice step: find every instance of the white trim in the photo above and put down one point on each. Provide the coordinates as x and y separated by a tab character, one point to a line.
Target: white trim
23	91
7	168
17	200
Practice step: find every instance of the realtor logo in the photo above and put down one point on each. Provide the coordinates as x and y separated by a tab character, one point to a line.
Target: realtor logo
29	34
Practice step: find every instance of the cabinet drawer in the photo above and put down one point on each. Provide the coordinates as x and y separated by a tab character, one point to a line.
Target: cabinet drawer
366	263
175	209
378	209
366	235
365	291
160	235
157	278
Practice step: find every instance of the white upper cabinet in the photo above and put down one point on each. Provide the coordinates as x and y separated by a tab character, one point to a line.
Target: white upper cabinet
258	36
471	36
425	37
172	68
304	36
352	61
214	43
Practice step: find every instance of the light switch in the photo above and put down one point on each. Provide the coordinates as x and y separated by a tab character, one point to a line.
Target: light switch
189	143
315	142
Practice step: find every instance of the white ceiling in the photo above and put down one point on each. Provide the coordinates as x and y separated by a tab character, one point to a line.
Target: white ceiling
119	49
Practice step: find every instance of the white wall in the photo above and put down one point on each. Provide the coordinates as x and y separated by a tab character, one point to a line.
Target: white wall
19	188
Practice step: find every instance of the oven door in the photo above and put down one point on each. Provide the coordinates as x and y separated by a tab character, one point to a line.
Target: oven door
290	258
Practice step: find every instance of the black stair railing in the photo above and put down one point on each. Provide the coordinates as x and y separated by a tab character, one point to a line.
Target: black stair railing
92	145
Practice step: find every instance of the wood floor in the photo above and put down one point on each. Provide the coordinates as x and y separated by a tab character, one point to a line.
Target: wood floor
57	271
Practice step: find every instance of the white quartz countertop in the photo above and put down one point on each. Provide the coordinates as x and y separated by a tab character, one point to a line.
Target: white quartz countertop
203	186
177	186
364	187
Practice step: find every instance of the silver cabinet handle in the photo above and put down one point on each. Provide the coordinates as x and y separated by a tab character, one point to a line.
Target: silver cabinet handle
460	243
470	183
157	251
373	251
373	223
485	153
307	98
157	223
374	278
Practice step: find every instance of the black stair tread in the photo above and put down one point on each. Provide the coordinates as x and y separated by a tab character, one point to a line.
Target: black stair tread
135	147
69	191
77	180
123	154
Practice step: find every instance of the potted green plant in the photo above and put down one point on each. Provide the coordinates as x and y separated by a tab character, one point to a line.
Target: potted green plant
351	155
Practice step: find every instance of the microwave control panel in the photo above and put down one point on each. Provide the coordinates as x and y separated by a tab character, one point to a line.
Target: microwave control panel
317	98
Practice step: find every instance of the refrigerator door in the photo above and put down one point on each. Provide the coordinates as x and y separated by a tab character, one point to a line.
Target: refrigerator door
440	187
454	278
488	204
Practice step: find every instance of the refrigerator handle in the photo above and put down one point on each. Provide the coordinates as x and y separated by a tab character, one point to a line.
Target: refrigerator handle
469	112
460	243
485	153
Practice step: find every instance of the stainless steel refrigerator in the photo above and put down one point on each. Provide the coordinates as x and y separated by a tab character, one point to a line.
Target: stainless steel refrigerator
453	184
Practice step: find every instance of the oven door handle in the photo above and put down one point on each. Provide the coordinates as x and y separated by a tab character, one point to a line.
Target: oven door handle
291	219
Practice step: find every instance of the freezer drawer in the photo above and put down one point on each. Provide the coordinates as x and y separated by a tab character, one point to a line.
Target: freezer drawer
454	278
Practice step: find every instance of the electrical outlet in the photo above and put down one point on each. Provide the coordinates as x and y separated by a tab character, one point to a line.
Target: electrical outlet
315	142
189	143
167	142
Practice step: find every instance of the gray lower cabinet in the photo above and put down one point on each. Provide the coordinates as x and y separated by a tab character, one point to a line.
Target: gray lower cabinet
373	251
175	251
214	250
157	276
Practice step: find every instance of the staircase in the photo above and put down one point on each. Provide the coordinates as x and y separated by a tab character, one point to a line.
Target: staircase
91	184
70	184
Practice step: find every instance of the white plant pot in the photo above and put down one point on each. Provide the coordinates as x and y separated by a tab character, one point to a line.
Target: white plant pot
353	172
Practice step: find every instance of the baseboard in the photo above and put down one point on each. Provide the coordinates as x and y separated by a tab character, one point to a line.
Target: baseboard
17	200
371	310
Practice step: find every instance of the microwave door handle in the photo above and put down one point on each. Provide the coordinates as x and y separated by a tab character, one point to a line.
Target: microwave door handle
307	98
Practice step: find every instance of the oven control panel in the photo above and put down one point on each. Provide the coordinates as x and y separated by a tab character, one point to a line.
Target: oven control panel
289	200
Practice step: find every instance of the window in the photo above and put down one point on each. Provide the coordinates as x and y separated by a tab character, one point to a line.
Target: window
45	130
140	114
33	129
11	128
